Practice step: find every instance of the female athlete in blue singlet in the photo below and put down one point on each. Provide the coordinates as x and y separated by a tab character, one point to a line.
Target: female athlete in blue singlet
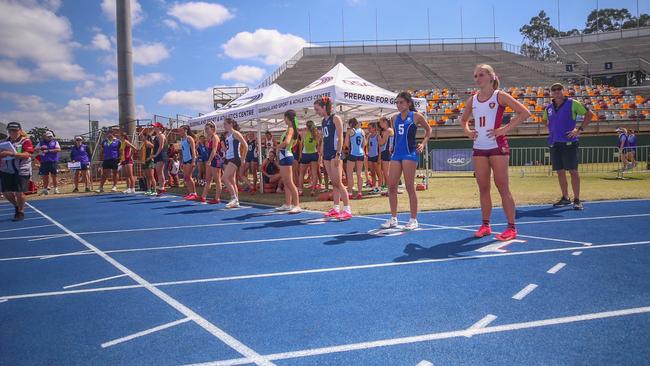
332	146
406	154
373	158
356	140
233	160
385	139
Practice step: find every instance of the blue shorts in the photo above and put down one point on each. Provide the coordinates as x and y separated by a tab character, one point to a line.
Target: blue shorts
385	155
355	158
308	158
84	166
329	155
250	157
401	157
373	159
629	149
287	161
161	158
216	163
47	167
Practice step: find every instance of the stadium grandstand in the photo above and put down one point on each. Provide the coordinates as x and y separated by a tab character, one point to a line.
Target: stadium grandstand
441	72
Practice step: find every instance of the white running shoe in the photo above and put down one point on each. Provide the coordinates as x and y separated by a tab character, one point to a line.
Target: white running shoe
390	223
295	210
284	207
45	192
233	204
114	189
128	190
411	225
100	190
56	190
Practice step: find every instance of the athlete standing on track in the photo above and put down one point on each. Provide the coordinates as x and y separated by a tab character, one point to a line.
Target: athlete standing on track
406	155
233	160
356	140
491	150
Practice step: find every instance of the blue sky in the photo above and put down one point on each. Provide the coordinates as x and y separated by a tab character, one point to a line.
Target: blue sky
56	56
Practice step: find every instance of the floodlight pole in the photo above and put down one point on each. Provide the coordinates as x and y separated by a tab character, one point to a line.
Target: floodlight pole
126	96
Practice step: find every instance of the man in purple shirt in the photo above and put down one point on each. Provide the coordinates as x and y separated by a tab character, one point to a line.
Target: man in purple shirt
560	115
80	153
49	149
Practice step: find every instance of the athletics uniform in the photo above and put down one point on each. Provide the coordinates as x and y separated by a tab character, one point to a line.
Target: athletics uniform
405	144
186	149
488	115
373	149
356	146
162	157
309	153
232	150
330	138
217	161
286	155
385	149
251	154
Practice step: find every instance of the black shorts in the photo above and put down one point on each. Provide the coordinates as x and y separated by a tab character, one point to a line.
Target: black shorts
47	167
250	158
236	161
110	164
14	182
355	158
373	159
161	158
84	166
385	155
564	156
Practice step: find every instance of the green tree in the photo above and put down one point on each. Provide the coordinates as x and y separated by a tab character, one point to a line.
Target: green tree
36	134
609	19
537	37
642	21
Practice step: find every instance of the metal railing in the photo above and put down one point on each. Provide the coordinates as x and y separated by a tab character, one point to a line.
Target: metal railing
536	161
603	36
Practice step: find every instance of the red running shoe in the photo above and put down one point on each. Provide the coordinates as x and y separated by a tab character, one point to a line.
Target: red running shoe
508	234
359	196
331	213
215	201
190	197
343	216
200	199
484	230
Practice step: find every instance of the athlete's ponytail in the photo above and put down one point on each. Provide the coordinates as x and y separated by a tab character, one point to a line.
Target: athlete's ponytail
291	116
312	128
353	123
232	123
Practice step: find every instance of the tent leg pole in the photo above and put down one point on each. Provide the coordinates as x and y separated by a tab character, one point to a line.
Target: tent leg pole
259	157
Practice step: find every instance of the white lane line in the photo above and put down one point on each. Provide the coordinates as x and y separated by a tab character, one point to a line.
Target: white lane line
576	253
31	236
424	363
3	300
94	281
564	220
144	332
54	236
309	271
556	268
186	226
26	228
199	320
435	336
480	324
525	292
81	252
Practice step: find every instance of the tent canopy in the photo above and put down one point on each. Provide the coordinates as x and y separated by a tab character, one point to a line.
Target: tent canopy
243	108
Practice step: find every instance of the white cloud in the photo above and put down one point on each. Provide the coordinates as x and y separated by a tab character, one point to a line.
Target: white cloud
269	45
145	80
196	100
171	24
101	42
30	31
108	8
150	53
10	72
245	74
200	15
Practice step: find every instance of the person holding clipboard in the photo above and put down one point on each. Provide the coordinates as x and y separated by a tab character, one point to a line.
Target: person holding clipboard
16	167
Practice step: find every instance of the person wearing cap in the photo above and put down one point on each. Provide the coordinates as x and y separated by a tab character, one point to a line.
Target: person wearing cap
111	148
622	143
49	149
80	153
16	168
561	117
159	154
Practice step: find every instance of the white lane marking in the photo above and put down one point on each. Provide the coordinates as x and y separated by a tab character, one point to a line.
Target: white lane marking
186	226
144	332
556	268
435	336
498	246
3	300
321	270
576	253
26	228
94	281
424	363
525	292
199	320
31	236
54	236
480	324
564	220
81	252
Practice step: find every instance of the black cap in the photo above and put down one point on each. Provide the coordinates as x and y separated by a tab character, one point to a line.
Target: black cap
13	126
